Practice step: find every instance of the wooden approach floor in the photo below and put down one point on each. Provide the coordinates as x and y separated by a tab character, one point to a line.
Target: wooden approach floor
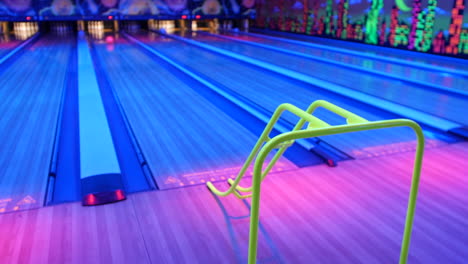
353	213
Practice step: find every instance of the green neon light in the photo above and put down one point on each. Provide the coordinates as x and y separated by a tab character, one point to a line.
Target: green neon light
372	22
402	6
344	22
429	26
329	18
463	45
401	35
419	33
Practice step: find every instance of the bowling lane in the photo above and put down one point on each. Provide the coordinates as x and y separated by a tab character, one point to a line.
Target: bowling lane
7	44
268	90
31	90
429	59
185	139
404	71
436	103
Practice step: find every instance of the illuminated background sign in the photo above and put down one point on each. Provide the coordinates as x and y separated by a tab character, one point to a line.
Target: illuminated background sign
78	9
421	25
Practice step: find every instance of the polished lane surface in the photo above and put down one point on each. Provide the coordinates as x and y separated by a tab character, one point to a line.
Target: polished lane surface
7	44
430	76
268	90
185	138
434	102
410	56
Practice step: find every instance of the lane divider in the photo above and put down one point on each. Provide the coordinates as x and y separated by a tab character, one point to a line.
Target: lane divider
101	179
63	184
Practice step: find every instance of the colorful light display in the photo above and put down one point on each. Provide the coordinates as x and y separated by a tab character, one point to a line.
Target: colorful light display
427	26
329	18
393	26
417	26
373	22
167	9
456	26
342	26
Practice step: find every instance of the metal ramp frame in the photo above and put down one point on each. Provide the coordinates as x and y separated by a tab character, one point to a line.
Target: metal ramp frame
315	127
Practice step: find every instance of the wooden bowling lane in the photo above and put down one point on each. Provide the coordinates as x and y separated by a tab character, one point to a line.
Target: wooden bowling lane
268	90
434	102
185	139
31	91
438	76
7	44
408	56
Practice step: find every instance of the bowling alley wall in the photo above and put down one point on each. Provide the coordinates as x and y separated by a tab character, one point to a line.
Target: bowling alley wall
421	25
123	9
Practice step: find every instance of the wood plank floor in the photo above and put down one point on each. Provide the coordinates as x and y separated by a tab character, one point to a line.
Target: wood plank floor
31	91
353	213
